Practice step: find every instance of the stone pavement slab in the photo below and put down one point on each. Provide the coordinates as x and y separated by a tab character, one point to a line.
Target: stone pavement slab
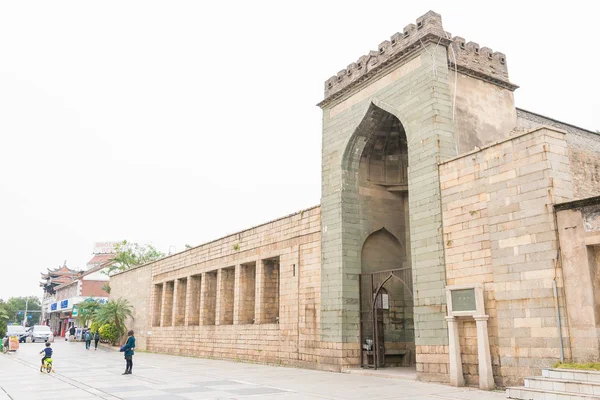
96	374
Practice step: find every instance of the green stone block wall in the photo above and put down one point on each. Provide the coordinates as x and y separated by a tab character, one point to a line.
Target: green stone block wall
420	98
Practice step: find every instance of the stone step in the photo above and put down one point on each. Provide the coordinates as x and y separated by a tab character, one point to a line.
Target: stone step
523	393
572	374
563	385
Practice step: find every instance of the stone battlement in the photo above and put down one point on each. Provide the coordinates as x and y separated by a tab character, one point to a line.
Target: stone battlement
482	63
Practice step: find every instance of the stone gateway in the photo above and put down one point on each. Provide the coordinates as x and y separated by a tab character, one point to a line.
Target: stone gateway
431	179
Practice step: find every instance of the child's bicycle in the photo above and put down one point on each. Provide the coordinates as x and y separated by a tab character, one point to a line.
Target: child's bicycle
47	367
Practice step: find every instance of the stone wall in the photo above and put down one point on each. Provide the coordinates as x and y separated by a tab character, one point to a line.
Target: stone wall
135	285
584	147
499	231
485	113
421	100
252	296
579	233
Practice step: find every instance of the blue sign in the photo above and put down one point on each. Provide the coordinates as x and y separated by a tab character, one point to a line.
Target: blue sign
64	304
53	306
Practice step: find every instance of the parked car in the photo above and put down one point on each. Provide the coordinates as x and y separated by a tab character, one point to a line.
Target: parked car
17	330
41	333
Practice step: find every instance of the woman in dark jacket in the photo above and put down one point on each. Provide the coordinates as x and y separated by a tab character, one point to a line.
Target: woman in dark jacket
128	349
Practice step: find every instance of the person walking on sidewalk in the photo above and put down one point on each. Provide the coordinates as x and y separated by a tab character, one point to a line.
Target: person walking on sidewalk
96	340
127	348
88	340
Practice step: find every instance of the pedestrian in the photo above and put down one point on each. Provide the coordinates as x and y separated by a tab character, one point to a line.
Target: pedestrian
96	340
128	349
88	340
72	333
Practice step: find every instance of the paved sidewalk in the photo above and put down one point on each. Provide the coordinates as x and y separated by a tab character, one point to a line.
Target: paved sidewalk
90	374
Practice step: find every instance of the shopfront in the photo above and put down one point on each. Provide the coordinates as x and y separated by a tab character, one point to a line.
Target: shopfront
64	313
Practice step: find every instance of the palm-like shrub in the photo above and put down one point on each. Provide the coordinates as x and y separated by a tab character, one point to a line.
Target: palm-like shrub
115	312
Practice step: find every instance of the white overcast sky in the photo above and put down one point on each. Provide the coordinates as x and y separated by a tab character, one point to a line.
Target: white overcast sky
178	122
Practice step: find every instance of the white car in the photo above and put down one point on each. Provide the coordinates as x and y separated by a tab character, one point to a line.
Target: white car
41	333
17	330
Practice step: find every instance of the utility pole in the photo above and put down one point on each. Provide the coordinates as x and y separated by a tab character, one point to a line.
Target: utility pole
25	316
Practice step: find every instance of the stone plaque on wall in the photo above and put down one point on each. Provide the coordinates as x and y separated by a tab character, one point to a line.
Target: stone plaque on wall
463	300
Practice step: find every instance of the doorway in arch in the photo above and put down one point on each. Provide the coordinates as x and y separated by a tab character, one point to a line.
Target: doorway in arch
387	333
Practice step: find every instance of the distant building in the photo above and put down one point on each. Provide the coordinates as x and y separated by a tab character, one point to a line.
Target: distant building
62	312
50	281
65	288
103	252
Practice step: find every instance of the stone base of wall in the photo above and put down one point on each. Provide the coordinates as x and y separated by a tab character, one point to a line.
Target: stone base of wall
264	344
433	364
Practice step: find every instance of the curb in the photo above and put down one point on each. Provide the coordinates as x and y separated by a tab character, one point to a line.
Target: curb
108	347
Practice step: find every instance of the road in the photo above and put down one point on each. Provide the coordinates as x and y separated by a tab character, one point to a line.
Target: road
89	374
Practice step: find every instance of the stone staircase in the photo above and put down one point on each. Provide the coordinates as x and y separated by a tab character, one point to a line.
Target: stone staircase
559	384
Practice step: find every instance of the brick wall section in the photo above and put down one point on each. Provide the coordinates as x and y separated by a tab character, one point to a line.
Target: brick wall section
180	302
166	318
285	253
499	230
584	147
270	292
208	298
225	295
157	296
245	302
93	289
137	288
193	298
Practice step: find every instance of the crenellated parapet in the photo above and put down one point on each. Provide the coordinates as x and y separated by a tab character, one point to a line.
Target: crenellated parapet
399	45
481	63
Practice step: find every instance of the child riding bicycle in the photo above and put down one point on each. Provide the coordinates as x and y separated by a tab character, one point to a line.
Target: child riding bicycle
47	355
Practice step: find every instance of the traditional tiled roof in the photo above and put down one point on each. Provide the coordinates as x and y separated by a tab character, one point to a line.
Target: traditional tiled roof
58	276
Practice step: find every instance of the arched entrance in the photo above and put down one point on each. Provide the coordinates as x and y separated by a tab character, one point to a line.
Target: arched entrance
387	322
376	180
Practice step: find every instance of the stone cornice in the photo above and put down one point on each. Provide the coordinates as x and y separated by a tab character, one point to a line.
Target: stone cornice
461	69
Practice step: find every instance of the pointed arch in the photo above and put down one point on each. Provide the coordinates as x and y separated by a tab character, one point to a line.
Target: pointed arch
381	251
374	114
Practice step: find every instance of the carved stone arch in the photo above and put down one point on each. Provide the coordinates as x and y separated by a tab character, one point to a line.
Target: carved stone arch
357	141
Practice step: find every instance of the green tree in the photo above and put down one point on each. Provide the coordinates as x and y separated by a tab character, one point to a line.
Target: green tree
14	305
4	317
115	312
87	310
129	255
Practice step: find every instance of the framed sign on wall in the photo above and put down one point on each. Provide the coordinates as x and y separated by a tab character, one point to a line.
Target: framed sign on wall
465	300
